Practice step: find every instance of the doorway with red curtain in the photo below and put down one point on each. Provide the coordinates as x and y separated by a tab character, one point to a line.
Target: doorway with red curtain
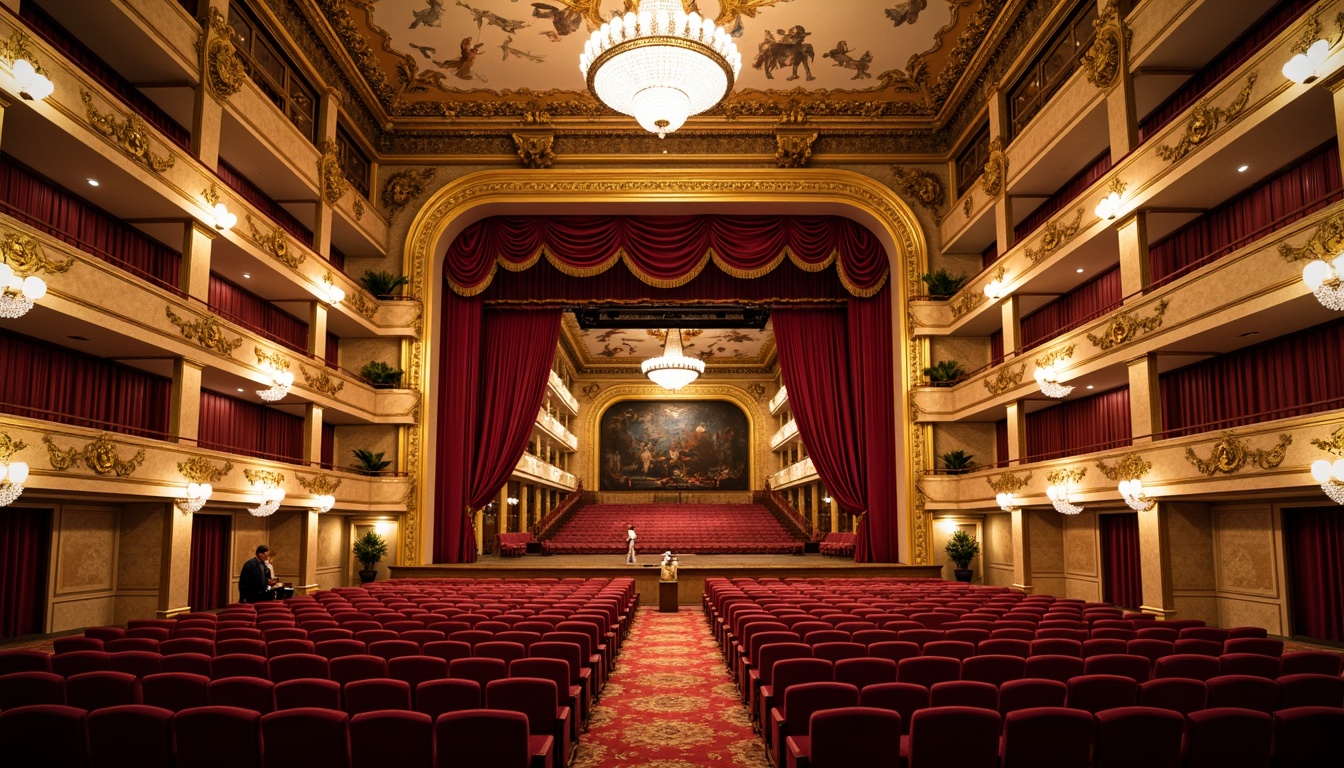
1314	549
25	540
1121	571
208	573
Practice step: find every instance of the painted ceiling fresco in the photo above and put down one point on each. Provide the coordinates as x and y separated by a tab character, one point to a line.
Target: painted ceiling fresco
488	58
717	347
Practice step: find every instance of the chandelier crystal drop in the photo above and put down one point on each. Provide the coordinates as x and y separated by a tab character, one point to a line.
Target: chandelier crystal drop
197	495
660	65
1006	501
12	477
672	369
1331	478
1324	281
18	294
1059	497
270	502
1047	378
1132	491
323	502
281	381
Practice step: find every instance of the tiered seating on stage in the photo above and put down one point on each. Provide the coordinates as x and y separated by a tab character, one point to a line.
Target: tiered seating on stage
1012	680
701	528
839	545
513	544
462	667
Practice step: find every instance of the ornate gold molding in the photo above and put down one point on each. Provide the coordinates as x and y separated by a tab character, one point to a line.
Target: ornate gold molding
535	150
131	135
264	477
1334	445
206	331
199	469
1113	36
591	391
25	256
362	303
402	187
17	47
1065	475
757	390
996	169
1005	380
321	381
969	204
1204	122
965	300
1311	32
1325	243
924	187
1230	454
1054	235
1008	482
358	206
331	178
1130	466
1124	328
1054	356
9	446
792	149
276	243
320	483
224	72
100	456
275	360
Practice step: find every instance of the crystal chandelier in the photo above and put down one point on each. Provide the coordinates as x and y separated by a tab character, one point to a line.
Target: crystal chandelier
323	502
1324	281
17	294
280	384
1006	501
1059	497
660	65
270	502
1331	478
673	370
1047	378
13	474
1132	490
197	495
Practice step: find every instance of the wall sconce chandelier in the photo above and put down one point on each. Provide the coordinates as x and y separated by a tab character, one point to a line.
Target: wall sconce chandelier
1047	378
270	502
281	381
197	495
18	294
660	65
33	85
1059	497
996	289
672	369
1132	490
330	292
1323	279
13	474
323	502
1331	478
1306	67
1006	501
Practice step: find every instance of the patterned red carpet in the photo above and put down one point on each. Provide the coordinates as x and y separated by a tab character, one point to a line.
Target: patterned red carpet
671	702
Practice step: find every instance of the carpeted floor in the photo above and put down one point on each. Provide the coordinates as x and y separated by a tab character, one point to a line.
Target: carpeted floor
671	703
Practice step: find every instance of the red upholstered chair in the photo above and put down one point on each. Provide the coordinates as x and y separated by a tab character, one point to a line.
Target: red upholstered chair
22	689
156	633
276	634
77	662
1012	633
1098	646
62	739
862	672
228	631
1056	647
835	652
816	636
319	636
305	738
97	690
247	693
447	649
763	675
593	660
852	737
187	645
1245	691
105	633
1158	633
504	651
131	644
1308	737
435	697
557	671
995	669
1201	632
191	663
1178	694
786	673
370	636
76	643
417	669
1314	662
549	723
1226	736
307	693
870	636
238	665
116	733
579	675
138	663
964	693
972	635
483	738
952	649
392	649
1128	665
297	665
218	737
483	671
974	731
1031	693
1095	693
24	660
920	636
1192	665
1262	645
902	698
175	691
894	650
288	646
392	739
927	670
1150	648
1138	736
1003	646
1303	690
1053	736
372	695
1189	645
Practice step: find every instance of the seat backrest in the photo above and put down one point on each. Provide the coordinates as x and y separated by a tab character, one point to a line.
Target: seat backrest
498	649
22	689
218	737
338	647
975	732
307	693
1056	646
533	696
1095	693
1262	645
99	689
1191	665
435	697
1300	690
996	669
1245	691
1053	736
1003	646
1308	736
1122	664
175	691
570	653
1177	694
417	669
927	670
447	649
1030	693
372	695
1061	668
775	652
837	651
391	649
1146	736
964	693
854	737
130	729
76	662
1318	662
244	693
482	738
862	672
62	739
305	736
482	670
24	660
1226	736
392	738
237	665
903	698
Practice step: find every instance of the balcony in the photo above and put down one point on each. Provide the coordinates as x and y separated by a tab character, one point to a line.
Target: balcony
562	393
798	473
552	428
786	435
781	397
534	470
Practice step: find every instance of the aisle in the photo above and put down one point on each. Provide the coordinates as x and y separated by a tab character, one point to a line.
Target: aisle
671	703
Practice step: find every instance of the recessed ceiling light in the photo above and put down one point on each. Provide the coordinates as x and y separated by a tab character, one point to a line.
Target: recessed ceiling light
1089	386
93	182
1079	270
247	275
240	389
1243	168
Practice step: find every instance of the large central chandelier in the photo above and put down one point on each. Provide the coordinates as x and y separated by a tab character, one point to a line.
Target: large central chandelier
672	369
660	65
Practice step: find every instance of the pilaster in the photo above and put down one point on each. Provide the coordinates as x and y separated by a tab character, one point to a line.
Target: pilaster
194	268
835	515
327	111
1017	432
1145	403
1135	266
312	433
1011	309
1155	562
184	418
1121	114
175	564
1021	550
207	111
317	330
309	522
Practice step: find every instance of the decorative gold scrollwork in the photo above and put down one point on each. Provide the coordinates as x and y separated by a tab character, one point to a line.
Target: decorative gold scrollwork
1102	60
321	381
100	456
1325	243
924	187
320	484
276	244
25	256
590	391
206	331
275	360
1054	235
1066	475
9	446
965	301
1049	358
1008	482
1130	466
264	477
199	469
358	206
17	47
535	150
224	71
362	303
968	205
1005	380
1230	454
996	169
404	186
1334	445
330	175
756	390
130	135
1204	121
793	150
1124	328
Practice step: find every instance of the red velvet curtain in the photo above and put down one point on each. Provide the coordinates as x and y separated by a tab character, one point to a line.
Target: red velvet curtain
1314	540
1292	375
328	445
1085	425
58	384
25	538
1121	572
873	382
239	426
1063	196
333	357
493	376
208	572
1073	309
1001	443
240	305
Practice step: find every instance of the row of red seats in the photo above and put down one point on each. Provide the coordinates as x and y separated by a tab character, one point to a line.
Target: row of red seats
701	528
839	544
228	737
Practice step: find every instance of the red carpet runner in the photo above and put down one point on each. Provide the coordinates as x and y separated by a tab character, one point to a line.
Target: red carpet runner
671	703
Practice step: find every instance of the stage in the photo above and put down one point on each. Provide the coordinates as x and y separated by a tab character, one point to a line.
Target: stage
693	570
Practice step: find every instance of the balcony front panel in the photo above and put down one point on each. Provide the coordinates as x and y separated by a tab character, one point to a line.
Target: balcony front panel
552	428
786	435
166	25
533	470
781	397
798	473
562	393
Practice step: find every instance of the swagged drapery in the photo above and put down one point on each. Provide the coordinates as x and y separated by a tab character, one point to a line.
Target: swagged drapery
487	406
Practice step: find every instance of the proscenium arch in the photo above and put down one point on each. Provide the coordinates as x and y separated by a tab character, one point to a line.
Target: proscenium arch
628	191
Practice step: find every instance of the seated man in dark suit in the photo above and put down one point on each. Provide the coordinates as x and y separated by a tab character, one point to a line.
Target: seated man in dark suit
254	581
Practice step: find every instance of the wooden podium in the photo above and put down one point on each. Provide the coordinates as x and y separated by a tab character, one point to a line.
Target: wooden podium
667	597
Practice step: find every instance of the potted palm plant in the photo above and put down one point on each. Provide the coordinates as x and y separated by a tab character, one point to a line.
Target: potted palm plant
383	284
961	549
369	463
381	375
942	284
944	373
368	550
957	462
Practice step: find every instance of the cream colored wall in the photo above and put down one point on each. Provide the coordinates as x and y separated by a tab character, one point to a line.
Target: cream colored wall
1190	543
84	566
333	551
141	560
975	438
997	550
1046	534
942	532
284	539
1248	567
378	438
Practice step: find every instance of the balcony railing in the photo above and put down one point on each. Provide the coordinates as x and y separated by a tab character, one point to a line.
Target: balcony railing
793	473
561	391
556	430
785	434
781	397
537	469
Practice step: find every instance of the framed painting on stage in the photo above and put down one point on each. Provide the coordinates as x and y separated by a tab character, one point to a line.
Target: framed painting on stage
684	445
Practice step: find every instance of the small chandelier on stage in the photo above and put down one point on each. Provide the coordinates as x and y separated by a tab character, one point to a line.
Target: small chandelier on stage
672	369
660	65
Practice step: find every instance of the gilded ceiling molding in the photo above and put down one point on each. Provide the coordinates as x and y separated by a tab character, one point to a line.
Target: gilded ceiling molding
275	360
24	255
1130	466
535	149
965	300
1325	243
9	446
1311	32
1008	482
199	469
206	331
1066	475
757	391
1101	63
130	135
1055	356
1054	235
1005	380
924	187
793	150
331	178
996	169
1205	121
1124	328
321	484
224	72
402	187
100	456
321	381
362	303
276	243
1334	445
264	477
1230	454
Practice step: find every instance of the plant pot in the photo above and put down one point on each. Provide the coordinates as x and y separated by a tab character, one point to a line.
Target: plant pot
963	574
367	576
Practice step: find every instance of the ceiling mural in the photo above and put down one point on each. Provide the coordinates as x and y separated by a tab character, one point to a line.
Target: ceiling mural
515	58
609	348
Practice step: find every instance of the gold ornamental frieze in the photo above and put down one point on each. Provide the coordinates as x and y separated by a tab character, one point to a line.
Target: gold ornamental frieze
1065	475
792	149
362	303
199	469
321	381
968	205
331	177
1125	328
1054	235
402	187
9	446
130	134
996	169
757	390
320	484
1008	482
1130	466
1005	380
590	391
1325	243
357	206
206	331
924	187
1334	445
264	477
100	456
275	360
18	47
24	255
1205	121
965	301
1229	455
535	150
1101	63
224	72
275	243
1055	356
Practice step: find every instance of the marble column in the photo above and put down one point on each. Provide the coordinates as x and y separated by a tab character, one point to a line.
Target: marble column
1155	562
175	563
1021	550
1145	399
194	268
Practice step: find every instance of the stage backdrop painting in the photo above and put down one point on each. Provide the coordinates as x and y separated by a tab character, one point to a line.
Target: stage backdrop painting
687	445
